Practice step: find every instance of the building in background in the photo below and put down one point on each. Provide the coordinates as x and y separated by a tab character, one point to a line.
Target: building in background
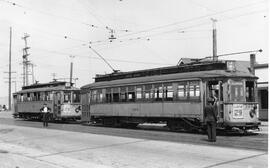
261	70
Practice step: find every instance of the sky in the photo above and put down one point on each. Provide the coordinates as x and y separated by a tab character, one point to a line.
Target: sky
148	34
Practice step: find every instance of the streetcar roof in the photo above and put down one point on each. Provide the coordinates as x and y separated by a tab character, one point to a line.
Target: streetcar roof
241	72
46	89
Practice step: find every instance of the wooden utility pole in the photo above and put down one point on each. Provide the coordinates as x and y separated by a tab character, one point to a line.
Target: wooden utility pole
215	58
9	70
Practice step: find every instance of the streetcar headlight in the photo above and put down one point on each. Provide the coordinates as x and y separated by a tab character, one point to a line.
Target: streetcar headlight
252	113
78	109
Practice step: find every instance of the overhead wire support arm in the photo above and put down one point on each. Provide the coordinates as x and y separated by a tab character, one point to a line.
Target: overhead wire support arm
114	70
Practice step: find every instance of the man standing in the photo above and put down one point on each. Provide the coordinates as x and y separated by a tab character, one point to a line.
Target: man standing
210	114
46	111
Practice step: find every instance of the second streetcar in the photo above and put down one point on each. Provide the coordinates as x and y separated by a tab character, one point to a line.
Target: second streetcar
61	97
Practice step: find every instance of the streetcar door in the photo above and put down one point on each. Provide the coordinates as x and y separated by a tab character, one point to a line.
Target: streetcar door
57	103
220	104
15	99
215	92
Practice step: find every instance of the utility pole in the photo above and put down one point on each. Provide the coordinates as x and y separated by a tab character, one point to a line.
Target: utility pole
215	58
9	72
54	76
71	69
15	84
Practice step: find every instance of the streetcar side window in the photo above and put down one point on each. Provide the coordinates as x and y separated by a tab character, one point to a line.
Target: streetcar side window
108	95
131	93
42	96
182	90
250	91
123	94
147	92
28	97
194	90
46	96
158	92
139	92
23	97
168	92
18	98
93	96
89	97
37	96
116	97
50	96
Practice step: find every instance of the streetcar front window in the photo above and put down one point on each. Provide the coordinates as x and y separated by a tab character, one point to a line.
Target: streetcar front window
237	91
76	97
67	97
250	95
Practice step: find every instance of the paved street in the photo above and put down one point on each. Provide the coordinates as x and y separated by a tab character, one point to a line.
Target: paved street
24	146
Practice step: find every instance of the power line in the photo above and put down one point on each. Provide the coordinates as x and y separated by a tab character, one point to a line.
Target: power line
181	30
194	19
53	15
113	60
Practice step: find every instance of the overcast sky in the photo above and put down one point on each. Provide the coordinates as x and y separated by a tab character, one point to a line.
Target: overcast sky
149	33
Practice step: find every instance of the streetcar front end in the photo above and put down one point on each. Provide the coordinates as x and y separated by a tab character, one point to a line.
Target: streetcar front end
70	106
241	109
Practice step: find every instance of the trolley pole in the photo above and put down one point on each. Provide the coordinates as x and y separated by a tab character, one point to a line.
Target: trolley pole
215	58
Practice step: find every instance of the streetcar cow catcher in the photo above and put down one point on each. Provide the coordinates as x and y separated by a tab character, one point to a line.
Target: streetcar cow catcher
176	95
61	97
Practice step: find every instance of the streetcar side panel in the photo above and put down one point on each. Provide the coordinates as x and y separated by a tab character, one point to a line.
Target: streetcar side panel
192	110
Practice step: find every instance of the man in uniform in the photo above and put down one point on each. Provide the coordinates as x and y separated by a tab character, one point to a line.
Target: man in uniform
210	115
46	111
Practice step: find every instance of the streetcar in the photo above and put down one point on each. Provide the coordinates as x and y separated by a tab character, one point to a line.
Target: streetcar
174	95
61	97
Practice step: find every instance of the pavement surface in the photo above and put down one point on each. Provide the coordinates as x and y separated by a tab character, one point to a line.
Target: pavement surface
37	147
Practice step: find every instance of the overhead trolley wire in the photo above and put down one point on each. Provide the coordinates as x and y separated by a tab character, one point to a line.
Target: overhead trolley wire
109	59
194	19
54	15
